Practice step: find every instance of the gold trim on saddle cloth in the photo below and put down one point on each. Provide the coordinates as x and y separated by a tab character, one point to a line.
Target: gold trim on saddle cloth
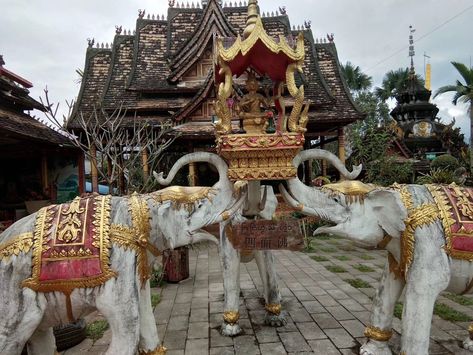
21	243
463	209
419	216
46	230
137	237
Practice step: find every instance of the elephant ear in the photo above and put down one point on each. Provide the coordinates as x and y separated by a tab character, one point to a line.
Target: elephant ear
389	211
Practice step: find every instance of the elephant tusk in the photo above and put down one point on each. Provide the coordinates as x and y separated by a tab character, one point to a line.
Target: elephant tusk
294	204
226	215
263	200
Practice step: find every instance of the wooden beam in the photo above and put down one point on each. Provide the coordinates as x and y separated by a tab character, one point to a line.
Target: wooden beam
144	160
81	171
93	169
341	145
44	173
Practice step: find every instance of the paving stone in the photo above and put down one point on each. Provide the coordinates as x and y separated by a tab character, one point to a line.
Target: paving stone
354	327
325	320
311	331
178	323
323	347
266	335
197	347
218	340
294	342
245	345
199	315
272	349
175	339
339	313
198	330
222	351
300	316
340	337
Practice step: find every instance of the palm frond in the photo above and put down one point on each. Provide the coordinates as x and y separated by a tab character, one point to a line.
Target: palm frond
444	89
465	72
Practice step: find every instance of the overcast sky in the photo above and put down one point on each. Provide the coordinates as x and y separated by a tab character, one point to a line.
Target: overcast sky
45	40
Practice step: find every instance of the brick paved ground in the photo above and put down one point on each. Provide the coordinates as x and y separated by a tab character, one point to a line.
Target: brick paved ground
325	316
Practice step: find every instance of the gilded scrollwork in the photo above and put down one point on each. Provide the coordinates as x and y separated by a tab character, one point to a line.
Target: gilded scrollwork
231	317
183	195
273	308
19	244
70	221
295	119
160	350
224	124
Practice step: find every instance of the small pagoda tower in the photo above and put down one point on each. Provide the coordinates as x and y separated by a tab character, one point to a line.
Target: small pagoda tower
416	117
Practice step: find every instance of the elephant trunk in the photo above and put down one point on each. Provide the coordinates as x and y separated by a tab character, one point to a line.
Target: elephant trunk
210	158
332	158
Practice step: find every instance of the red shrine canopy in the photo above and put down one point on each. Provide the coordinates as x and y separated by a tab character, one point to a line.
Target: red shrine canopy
265	54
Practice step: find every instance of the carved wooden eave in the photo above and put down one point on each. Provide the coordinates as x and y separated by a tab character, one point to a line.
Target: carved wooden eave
197	100
212	22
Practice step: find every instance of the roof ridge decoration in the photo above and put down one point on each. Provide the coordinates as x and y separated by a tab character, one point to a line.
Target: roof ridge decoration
187	54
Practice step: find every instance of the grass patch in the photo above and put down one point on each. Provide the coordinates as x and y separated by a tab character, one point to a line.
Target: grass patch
363	268
347	247
442	310
328	250
366	257
398	310
155	299
342	257
335	268
157	275
450	314
95	330
465	301
358	283
333	242
319	258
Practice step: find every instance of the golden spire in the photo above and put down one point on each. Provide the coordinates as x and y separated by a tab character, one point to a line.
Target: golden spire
252	17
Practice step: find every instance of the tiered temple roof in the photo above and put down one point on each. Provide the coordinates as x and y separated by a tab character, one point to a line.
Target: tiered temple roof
163	69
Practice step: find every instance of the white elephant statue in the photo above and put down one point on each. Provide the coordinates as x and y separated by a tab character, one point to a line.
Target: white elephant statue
427	231
95	253
231	258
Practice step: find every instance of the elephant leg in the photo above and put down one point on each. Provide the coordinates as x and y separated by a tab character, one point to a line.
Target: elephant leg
42	342
230	259
417	317
20	320
149	339
379	332
272	296
118	302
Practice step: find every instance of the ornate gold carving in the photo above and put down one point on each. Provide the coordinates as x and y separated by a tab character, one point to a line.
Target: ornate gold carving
70	223
183	195
424	214
19	244
224	125
350	188
273	308
258	33
101	238
70	254
260	157
296	123
231	317
470	331
378	334
160	350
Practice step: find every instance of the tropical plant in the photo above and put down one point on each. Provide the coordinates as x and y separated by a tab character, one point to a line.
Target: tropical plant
356	80
463	92
394	82
445	162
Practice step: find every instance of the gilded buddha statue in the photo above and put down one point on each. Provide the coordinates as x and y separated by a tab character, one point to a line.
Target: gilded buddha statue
253	108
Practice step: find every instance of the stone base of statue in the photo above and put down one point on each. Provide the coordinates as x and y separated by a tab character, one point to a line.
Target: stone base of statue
260	156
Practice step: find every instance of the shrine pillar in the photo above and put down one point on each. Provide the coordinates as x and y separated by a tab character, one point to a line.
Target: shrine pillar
145	163
341	145
193	180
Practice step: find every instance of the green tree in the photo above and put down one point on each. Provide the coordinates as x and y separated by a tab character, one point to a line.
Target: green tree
463	92
356	80
394	82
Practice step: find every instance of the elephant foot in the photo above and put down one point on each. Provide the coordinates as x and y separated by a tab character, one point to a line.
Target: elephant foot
230	330
374	347
468	344
274	320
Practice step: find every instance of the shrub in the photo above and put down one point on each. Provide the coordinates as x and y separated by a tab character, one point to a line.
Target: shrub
445	162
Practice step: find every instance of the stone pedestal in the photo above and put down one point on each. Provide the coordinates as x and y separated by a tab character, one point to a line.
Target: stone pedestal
176	264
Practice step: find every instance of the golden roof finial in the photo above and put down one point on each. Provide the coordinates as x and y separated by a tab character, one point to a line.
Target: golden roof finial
252	17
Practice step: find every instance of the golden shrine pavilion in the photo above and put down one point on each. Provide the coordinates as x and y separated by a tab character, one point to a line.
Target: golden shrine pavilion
164	70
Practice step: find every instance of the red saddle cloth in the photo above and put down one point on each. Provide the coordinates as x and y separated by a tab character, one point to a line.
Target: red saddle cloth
455	204
71	246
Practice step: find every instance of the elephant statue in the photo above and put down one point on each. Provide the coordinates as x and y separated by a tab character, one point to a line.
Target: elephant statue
427	231
231	258
67	260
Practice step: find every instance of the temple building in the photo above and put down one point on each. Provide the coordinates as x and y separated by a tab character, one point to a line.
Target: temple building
39	165
163	71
